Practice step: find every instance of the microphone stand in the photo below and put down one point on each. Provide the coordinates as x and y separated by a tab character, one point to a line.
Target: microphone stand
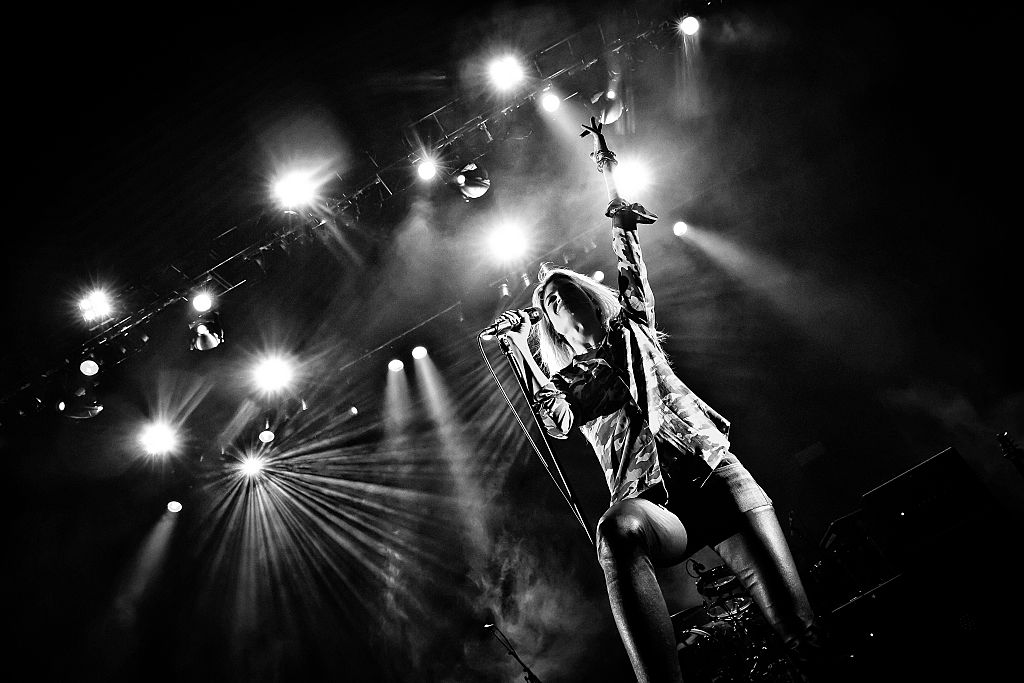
527	674
553	470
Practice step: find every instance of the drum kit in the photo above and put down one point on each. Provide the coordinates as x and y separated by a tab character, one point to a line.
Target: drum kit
725	639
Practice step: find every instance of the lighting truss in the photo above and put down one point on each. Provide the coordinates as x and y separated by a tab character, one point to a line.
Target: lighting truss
440	128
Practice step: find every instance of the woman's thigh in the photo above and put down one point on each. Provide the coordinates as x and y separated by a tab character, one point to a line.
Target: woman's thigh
661	531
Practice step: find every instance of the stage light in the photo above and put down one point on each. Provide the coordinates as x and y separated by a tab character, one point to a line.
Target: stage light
689	25
297	188
77	393
273	373
550	101
202	301
419	352
608	106
426	169
207	332
598	275
472	181
506	73
396	365
158	438
174	506
507	242
80	403
631	177
679	229
89	365
267	435
354	410
95	305
251	465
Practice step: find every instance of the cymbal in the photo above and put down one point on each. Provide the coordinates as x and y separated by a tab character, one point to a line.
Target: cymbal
716	582
729	607
691	617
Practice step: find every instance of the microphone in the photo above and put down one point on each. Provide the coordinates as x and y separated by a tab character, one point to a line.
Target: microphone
502	324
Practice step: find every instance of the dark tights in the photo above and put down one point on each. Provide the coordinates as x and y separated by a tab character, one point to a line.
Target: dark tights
634	536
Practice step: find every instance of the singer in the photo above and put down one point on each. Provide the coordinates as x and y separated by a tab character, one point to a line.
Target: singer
675	486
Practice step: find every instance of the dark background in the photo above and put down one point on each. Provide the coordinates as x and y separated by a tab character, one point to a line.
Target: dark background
848	296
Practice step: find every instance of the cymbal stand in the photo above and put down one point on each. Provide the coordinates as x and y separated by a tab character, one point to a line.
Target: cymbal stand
528	675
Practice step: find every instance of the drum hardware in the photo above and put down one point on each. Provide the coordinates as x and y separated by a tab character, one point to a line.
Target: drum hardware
715	582
729	607
725	639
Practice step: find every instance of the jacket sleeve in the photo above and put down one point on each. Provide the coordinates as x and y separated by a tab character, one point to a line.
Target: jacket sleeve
575	396
554	411
635	292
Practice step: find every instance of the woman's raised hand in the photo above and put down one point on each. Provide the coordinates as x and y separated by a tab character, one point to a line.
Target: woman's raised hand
594	127
601	154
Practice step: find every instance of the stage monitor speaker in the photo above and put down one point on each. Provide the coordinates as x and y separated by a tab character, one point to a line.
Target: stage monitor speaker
939	505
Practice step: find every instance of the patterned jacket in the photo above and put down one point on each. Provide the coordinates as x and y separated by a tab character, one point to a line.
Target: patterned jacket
625	397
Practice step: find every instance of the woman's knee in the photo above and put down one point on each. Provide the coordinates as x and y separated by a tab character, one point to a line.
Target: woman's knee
622	531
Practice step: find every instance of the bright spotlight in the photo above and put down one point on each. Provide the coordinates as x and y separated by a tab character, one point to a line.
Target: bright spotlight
679	229
396	365
631	177
550	101
202	302
507	242
95	305
174	506
251	465
354	410
419	352
89	366
426	169
295	189
158	438
598	275
266	436
689	25
273	373
506	73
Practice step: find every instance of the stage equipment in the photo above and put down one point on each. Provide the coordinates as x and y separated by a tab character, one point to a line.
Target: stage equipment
726	638
608	106
528	675
1011	451
89	365
79	396
912	517
267	435
207	332
472	181
503	324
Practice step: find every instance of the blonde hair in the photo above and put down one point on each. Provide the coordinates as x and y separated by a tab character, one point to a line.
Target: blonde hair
555	351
